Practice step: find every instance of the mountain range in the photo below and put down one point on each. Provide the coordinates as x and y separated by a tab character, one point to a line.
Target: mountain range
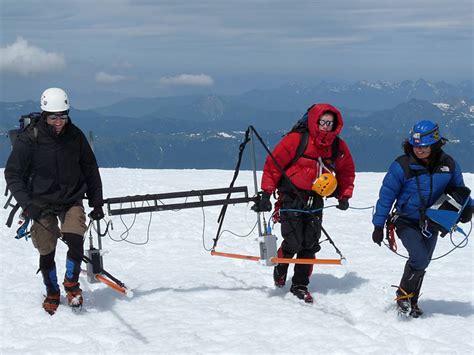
204	131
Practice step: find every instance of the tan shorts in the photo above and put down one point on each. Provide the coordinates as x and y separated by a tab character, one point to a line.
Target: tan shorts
45	234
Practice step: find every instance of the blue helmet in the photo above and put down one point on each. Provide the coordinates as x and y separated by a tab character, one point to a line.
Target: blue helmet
424	133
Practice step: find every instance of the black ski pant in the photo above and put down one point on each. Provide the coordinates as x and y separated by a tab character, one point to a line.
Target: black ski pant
301	233
420	251
420	248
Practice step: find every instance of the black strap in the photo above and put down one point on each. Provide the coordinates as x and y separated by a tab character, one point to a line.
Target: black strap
9	200
12	215
304	137
335	151
220	220
423	203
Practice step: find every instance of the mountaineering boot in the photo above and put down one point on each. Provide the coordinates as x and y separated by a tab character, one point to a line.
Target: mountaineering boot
51	302
73	293
408	292
71	284
403	302
416	311
50	280
281	270
278	277
302	293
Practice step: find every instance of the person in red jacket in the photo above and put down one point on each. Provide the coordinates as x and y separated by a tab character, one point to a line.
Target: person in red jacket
301	231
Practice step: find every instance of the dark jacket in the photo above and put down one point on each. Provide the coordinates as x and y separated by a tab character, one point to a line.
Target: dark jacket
306	169
48	169
400	185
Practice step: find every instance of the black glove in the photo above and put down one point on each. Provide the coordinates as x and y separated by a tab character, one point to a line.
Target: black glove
262	204
97	213
466	214
32	211
377	235
343	204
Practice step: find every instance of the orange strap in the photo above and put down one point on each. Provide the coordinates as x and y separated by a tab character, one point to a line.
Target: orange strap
404	294
279	260
235	256
111	284
306	261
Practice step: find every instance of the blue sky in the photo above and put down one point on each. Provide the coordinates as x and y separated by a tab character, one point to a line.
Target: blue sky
101	51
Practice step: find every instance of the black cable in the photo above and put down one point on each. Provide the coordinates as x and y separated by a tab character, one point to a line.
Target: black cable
129	228
456	246
222	232
239	235
204	230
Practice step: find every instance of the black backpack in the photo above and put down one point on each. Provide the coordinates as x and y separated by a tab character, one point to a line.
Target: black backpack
27	122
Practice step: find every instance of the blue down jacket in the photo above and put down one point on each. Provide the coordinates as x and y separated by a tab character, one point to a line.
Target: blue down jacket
400	186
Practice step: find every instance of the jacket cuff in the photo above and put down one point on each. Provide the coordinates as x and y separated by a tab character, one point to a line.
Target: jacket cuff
94	204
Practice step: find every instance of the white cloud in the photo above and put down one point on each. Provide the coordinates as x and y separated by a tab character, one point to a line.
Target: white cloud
421	24
105	78
326	41
23	59
188	79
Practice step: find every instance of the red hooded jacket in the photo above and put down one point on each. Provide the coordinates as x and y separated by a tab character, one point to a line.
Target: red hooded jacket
307	168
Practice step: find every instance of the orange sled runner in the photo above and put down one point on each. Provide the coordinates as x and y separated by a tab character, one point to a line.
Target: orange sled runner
280	260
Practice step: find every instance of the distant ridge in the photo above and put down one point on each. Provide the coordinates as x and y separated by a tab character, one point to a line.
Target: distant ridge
205	131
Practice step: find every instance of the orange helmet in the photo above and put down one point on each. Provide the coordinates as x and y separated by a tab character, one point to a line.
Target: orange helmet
325	184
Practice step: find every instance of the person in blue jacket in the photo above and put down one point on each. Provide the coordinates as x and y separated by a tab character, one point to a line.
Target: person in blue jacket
413	183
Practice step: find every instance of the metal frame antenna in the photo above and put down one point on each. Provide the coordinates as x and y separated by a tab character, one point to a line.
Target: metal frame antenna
267	241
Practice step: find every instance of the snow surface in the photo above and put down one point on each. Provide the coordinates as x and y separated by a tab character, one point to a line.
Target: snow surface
187	301
442	106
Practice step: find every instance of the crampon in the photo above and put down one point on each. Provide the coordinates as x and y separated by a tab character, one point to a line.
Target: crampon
406	304
51	303
73	294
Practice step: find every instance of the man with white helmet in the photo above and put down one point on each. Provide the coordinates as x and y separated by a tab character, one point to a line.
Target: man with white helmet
50	170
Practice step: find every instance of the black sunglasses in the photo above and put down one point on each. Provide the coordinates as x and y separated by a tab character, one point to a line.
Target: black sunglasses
54	117
326	123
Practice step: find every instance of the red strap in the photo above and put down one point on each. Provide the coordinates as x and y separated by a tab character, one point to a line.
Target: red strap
276	209
391	240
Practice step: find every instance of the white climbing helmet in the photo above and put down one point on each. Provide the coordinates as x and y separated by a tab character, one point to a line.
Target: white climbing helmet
54	100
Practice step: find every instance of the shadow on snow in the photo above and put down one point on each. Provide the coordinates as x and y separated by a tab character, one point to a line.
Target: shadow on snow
449	308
